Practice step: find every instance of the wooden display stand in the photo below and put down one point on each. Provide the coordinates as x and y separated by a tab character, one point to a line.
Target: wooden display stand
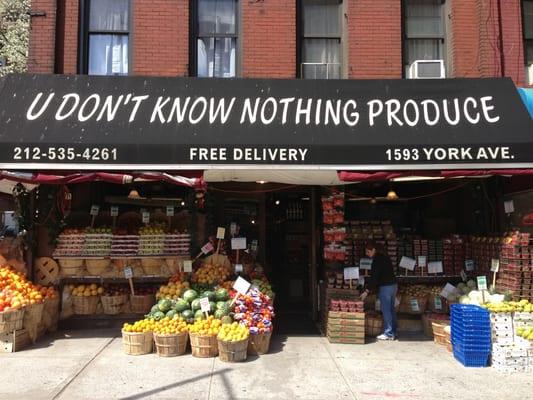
346	327
14	341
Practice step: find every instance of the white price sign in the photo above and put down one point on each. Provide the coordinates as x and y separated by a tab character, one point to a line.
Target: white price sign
114	211
238	268
204	304
495	265
208	248
238	243
415	307
95	209
365	263
170	211
242	285
351	273
481	283
422	261
221	232
146	217
128	272
187	266
254	246
438	303
435	267
447	290
408	263
469	265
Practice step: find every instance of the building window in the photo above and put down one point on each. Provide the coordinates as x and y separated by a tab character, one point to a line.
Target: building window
528	30
321	33
216	38
424	30
107	37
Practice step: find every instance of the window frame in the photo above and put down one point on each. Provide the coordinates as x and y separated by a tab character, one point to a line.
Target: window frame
405	38
301	37
194	36
525	40
85	33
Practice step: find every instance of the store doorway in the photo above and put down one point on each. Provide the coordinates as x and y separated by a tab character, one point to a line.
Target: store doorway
289	245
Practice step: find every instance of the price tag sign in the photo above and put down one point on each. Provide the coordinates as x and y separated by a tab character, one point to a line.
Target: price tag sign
242	285
365	263
408	263
482	283
463	276
146	217
422	261
204	304
438	303
128	272
233	228
469	265
508	206
495	265
114	211
187	266
415	307
238	243
238	268
435	267
362	280
254	245
351	273
447	290
170	211
221	232
378	305
208	248
95	209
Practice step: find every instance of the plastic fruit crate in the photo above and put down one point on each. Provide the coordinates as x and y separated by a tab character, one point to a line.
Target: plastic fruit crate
472	358
471	347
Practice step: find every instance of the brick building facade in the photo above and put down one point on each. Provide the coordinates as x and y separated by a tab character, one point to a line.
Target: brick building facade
483	38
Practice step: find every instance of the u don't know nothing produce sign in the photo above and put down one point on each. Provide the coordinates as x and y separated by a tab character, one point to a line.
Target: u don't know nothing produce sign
132	122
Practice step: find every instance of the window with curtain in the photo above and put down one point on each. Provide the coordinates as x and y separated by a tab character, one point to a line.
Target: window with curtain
108	37
527	9
424	30
216	38
321	34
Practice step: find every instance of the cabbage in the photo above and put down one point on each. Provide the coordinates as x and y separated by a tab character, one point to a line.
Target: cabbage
471	284
464	300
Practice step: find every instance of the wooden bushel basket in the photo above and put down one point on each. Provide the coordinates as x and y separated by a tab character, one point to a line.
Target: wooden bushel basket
72	267
51	314
11	320
32	318
259	344
373	325
438	333
113	305
204	346
142	304
171	345
82	305
232	351
136	344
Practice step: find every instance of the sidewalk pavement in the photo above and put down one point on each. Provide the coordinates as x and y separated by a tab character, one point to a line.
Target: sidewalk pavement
91	365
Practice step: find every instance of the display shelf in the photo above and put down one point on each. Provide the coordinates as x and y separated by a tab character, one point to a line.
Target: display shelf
427	279
99	279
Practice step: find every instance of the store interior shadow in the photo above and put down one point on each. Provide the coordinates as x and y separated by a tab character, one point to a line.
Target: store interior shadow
295	324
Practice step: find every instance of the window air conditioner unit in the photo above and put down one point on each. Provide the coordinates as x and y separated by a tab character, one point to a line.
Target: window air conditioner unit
427	69
529	74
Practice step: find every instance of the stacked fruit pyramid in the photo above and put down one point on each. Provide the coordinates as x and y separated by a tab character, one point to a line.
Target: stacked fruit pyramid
471	334
347	327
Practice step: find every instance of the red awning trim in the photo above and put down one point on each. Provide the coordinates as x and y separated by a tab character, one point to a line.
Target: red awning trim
116	178
354	176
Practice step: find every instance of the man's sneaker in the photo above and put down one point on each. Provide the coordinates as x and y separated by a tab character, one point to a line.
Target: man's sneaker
385	337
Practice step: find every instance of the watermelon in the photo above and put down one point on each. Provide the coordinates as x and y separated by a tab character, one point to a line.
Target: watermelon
209	294
187	315
164	305
220	304
158	315
212	306
171	314
181	305
226	319
221	294
199	315
219	314
190	295
195	305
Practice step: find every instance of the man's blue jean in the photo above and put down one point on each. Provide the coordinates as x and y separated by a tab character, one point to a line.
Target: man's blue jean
387	298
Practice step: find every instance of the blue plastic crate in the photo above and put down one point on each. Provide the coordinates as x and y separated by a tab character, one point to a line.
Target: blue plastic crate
471	340
478	331
465	347
468	308
472	359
